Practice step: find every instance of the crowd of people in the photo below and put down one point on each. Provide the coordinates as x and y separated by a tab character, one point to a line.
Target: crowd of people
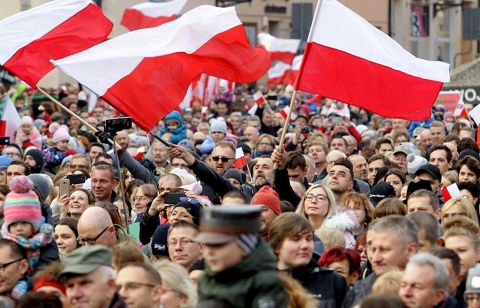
349	211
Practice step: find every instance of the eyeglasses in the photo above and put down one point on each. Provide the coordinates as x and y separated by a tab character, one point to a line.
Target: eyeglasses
319	198
77	166
4	265
11	154
91	241
141	199
130	286
223	159
183	242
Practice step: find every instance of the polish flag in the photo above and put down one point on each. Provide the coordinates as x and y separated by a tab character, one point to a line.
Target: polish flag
10	121
284	112
54	30
204	111
475	114
349	60
253	110
240	159
277	74
450	192
279	49
259	98
151	14
151	69
293	72
460	110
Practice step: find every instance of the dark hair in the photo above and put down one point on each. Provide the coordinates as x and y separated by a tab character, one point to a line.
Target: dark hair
382	141
296	159
39	300
340	136
382	299
286	206
426	221
472	188
440	147
347	164
90	197
445	253
94	144
389	206
396	172
471	163
16	251
4	189
467	143
236	194
197	265
452	137
71	223
21	163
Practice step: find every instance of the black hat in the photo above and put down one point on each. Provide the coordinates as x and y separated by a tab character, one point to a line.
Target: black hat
381	191
222	224
245	147
193	208
236	174
37	155
431	169
468	152
414	186
159	240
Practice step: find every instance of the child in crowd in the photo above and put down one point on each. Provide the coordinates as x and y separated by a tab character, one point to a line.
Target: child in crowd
218	132
174	129
25	225
241	268
55	154
26	133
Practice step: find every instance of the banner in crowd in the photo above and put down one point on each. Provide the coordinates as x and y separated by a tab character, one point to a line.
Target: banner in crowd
279	49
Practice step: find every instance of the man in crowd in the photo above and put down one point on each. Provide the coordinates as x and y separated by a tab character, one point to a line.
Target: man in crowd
17	168
103	183
14	263
181	243
340	178
93	150
12	151
441	157
95	227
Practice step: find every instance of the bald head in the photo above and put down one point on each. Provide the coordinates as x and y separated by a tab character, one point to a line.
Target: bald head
95	227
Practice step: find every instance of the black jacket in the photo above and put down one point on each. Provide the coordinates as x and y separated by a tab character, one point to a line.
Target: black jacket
360	290
328	287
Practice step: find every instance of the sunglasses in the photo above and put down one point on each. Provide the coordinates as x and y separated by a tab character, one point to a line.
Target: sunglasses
223	159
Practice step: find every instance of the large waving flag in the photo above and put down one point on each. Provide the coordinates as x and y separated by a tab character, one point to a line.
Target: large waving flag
277	73
280	49
57	29
349	60
292	74
146	73
151	14
10	120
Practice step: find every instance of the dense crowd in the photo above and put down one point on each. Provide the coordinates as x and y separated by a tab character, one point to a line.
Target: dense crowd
351	210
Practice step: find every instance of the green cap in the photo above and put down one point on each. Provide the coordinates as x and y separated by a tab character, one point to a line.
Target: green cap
85	260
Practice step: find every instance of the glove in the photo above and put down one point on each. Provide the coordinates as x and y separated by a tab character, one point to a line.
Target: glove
103	136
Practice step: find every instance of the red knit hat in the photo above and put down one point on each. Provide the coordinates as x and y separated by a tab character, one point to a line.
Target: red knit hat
268	197
49	281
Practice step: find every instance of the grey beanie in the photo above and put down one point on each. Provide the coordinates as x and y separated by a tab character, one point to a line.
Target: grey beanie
218	125
41	184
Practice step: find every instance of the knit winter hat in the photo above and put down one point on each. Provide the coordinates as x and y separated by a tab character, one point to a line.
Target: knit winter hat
218	125
236	174
38	123
41	184
193	208
268	197
27	120
159	240
61	134
37	155
22	204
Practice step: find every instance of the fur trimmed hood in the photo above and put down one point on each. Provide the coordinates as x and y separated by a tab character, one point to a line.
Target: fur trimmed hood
344	220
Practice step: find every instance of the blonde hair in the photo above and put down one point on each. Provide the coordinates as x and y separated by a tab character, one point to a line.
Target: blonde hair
465	205
461	226
176	277
389	206
332	206
331	237
388	282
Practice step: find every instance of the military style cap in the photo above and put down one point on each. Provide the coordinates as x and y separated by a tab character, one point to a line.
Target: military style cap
473	280
85	260
223	224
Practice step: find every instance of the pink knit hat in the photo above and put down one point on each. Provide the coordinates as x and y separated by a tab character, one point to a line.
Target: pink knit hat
61	134
22	204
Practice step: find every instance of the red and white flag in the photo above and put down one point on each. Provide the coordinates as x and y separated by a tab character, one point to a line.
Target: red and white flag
279	49
292	74
151	14
240	159
348	59
151	69
259	98
460	110
284	112
10	121
450	192
54	30
278	73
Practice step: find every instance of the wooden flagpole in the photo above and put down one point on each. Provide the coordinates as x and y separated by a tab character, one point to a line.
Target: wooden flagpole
287	120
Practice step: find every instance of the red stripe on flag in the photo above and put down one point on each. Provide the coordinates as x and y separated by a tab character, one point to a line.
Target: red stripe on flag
162	82
284	56
365	84
240	162
83	30
446	194
133	20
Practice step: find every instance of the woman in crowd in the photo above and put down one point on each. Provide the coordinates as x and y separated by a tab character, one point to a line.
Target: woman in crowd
459	206
468	169
362	208
142	196
264	146
396	178
74	205
178	289
462	235
291	237
66	235
343	261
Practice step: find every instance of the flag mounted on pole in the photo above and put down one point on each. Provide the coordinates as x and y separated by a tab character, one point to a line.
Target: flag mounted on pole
54	30
146	73
348	59
279	49
151	14
240	159
10	120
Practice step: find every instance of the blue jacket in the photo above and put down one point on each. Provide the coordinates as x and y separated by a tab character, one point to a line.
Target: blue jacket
180	132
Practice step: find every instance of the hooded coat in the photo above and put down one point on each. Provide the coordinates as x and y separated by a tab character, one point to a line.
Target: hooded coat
179	133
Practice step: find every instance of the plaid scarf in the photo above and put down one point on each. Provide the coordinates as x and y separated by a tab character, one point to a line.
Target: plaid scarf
32	245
